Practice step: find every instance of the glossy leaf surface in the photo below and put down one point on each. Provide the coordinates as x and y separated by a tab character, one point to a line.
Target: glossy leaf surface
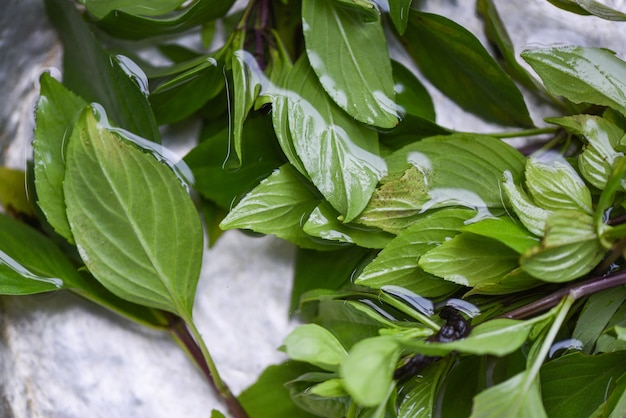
349	56
316	345
582	75
134	224
505	230
458	65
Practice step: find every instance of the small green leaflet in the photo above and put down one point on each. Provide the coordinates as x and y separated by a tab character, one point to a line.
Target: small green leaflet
350	58
316	345
135	226
582	75
505	230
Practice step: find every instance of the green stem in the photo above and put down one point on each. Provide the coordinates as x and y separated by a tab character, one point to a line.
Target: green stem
523	133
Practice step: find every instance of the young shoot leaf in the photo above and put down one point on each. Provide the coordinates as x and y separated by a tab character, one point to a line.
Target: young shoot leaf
135	226
349	56
316	345
504	230
367	372
582	75
532	216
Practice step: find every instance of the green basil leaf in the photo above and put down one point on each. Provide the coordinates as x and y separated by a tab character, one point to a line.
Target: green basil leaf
569	250
576	384
582	75
13	197
470	260
410	130
332	388
144	255
598	311
350	58
505	230
399	13
324	223
590	7
553	185
458	65
301	392
454	170
397	263
514	281
615	405
277	206
89	71
316	345
269	398
57	111
532	216
128	25
100	8
30	262
411	95
341	157
367	372
420	393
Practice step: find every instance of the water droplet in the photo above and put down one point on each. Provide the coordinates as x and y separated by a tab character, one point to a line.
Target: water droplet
10	262
565	345
419	303
134	72
378	309
464	306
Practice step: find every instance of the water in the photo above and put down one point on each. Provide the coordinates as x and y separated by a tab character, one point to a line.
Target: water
419	303
11	263
565	345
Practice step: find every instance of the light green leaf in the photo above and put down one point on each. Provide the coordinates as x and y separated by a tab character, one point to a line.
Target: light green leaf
349	56
100	8
397	263
532	216
442	171
134	224
13	192
582	75
57	111
576	384
324	223
457	64
368	370
341	157
554	185
277	206
470	260
505	230
514	281
331	388
569	250
621	333
316	345
597	159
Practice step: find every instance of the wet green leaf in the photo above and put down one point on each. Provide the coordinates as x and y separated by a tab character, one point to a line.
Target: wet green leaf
350	58
454	170
590	7
598	311
532	216
13	191
57	111
115	82
397	263
470	260
514	281
367	372
458	65
100	8
615	405
324	223
598	159
505	230
420	393
582	75
553	184
411	129
411	95
340	156
302	393
144	255
316	345
277	206
569	250
576	384
128	25
399	13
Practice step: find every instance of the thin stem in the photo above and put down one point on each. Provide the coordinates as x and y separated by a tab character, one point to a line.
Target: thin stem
526	132
577	290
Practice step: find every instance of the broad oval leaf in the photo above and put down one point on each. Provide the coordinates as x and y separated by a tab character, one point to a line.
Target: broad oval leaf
134	224
458	65
582	75
341	156
367	372
349	56
316	345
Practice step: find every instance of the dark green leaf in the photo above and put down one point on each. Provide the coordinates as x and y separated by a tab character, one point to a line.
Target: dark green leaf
57	111
458	65
576	384
13	192
89	71
144	255
590	7
269	398
350	58
598	311
277	206
100	8
582	75
399	12
397	263
127	25
411	95
302	391
420	393
411	129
